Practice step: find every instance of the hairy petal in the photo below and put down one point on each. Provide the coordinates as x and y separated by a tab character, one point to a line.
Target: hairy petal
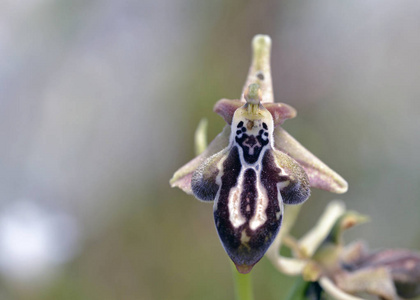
320	175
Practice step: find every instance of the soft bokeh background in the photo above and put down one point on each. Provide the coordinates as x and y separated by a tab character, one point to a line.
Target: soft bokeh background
99	103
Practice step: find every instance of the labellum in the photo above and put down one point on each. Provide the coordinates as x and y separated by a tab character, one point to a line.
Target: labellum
249	181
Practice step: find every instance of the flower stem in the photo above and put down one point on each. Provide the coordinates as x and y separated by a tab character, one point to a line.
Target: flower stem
243	285
297	292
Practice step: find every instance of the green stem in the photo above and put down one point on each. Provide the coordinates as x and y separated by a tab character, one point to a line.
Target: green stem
297	292
243	285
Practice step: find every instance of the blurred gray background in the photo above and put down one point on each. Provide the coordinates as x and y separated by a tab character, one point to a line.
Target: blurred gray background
99	101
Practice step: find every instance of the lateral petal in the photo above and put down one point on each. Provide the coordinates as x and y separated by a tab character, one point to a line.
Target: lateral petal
226	108
279	111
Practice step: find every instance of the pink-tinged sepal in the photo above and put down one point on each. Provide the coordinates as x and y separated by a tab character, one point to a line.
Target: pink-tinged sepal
320	175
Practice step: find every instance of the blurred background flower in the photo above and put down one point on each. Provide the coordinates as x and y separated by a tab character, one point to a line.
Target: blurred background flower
34	240
100	101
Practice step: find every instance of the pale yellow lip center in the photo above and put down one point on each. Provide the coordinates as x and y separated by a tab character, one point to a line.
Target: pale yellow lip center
253	109
253	112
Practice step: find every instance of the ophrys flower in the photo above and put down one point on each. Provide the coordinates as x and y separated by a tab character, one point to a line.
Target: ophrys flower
254	167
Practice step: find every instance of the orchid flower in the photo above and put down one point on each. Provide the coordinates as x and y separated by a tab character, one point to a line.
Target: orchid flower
345	271
254	167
